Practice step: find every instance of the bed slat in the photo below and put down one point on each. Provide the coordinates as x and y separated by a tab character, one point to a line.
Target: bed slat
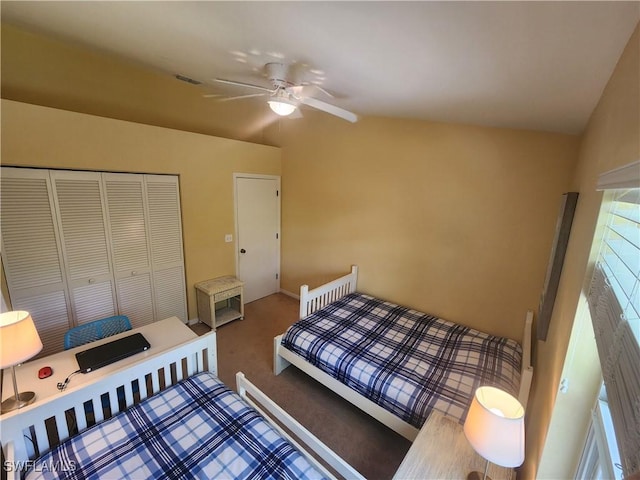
191	366
81	418
166	371
155	383
142	387
41	437
98	414
128	394
61	424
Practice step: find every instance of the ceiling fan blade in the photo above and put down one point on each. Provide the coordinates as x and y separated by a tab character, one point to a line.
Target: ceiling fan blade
332	109
238	97
326	92
308	90
242	84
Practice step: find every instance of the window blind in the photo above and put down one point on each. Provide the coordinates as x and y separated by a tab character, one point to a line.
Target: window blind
620	254
614	303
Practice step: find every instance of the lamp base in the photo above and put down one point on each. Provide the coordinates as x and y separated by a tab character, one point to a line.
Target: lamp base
22	400
477	476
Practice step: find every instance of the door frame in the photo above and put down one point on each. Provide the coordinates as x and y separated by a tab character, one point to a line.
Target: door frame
256	176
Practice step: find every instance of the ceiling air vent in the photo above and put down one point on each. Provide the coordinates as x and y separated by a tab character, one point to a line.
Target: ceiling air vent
188	80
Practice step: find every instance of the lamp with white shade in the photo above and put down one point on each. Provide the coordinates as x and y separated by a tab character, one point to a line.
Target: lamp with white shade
19	341
495	428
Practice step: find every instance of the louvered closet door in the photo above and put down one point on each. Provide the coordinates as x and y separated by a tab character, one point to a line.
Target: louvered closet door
129	240
165	231
31	253
85	247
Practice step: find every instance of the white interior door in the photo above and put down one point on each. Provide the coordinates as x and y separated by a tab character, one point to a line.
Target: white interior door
258	234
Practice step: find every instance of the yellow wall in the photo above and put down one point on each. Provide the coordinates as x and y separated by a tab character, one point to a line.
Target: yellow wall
37	136
46	71
454	220
612	139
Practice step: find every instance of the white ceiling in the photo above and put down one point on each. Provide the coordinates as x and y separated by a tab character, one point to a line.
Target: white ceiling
531	65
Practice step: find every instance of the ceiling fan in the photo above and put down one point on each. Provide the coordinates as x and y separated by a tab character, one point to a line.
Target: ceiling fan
287	94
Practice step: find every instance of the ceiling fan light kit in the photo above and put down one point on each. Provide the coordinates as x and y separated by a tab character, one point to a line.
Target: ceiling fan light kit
281	108
287	93
281	104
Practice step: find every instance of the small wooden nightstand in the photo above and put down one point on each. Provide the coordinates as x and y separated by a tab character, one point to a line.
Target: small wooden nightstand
442	451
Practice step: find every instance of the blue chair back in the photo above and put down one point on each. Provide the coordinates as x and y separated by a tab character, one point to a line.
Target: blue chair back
92	331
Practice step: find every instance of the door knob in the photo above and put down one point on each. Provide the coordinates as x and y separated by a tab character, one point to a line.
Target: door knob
242	250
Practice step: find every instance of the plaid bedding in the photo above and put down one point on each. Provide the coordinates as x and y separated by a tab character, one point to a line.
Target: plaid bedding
195	429
405	361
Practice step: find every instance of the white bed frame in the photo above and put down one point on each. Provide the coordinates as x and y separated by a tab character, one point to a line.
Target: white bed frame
25	436
312	300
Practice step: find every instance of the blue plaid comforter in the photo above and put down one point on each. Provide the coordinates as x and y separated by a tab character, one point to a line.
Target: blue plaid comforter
195	429
405	361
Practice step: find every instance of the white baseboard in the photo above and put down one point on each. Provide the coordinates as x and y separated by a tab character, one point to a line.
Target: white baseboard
290	294
193	321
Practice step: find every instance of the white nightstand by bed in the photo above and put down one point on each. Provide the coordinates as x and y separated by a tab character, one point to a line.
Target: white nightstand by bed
442	451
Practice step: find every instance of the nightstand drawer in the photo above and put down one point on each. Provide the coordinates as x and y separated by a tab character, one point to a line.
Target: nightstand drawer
227	294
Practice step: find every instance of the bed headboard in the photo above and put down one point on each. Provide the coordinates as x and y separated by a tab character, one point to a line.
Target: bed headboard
312	300
35	429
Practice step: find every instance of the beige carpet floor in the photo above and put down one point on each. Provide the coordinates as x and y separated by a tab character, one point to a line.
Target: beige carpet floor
247	346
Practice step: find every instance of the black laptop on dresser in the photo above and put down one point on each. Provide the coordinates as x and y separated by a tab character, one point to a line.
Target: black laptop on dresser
111	352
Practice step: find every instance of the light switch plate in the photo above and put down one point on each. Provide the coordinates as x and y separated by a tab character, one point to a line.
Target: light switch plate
228	238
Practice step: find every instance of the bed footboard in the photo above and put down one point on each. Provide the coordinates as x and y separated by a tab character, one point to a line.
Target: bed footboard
312	300
33	430
258	400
